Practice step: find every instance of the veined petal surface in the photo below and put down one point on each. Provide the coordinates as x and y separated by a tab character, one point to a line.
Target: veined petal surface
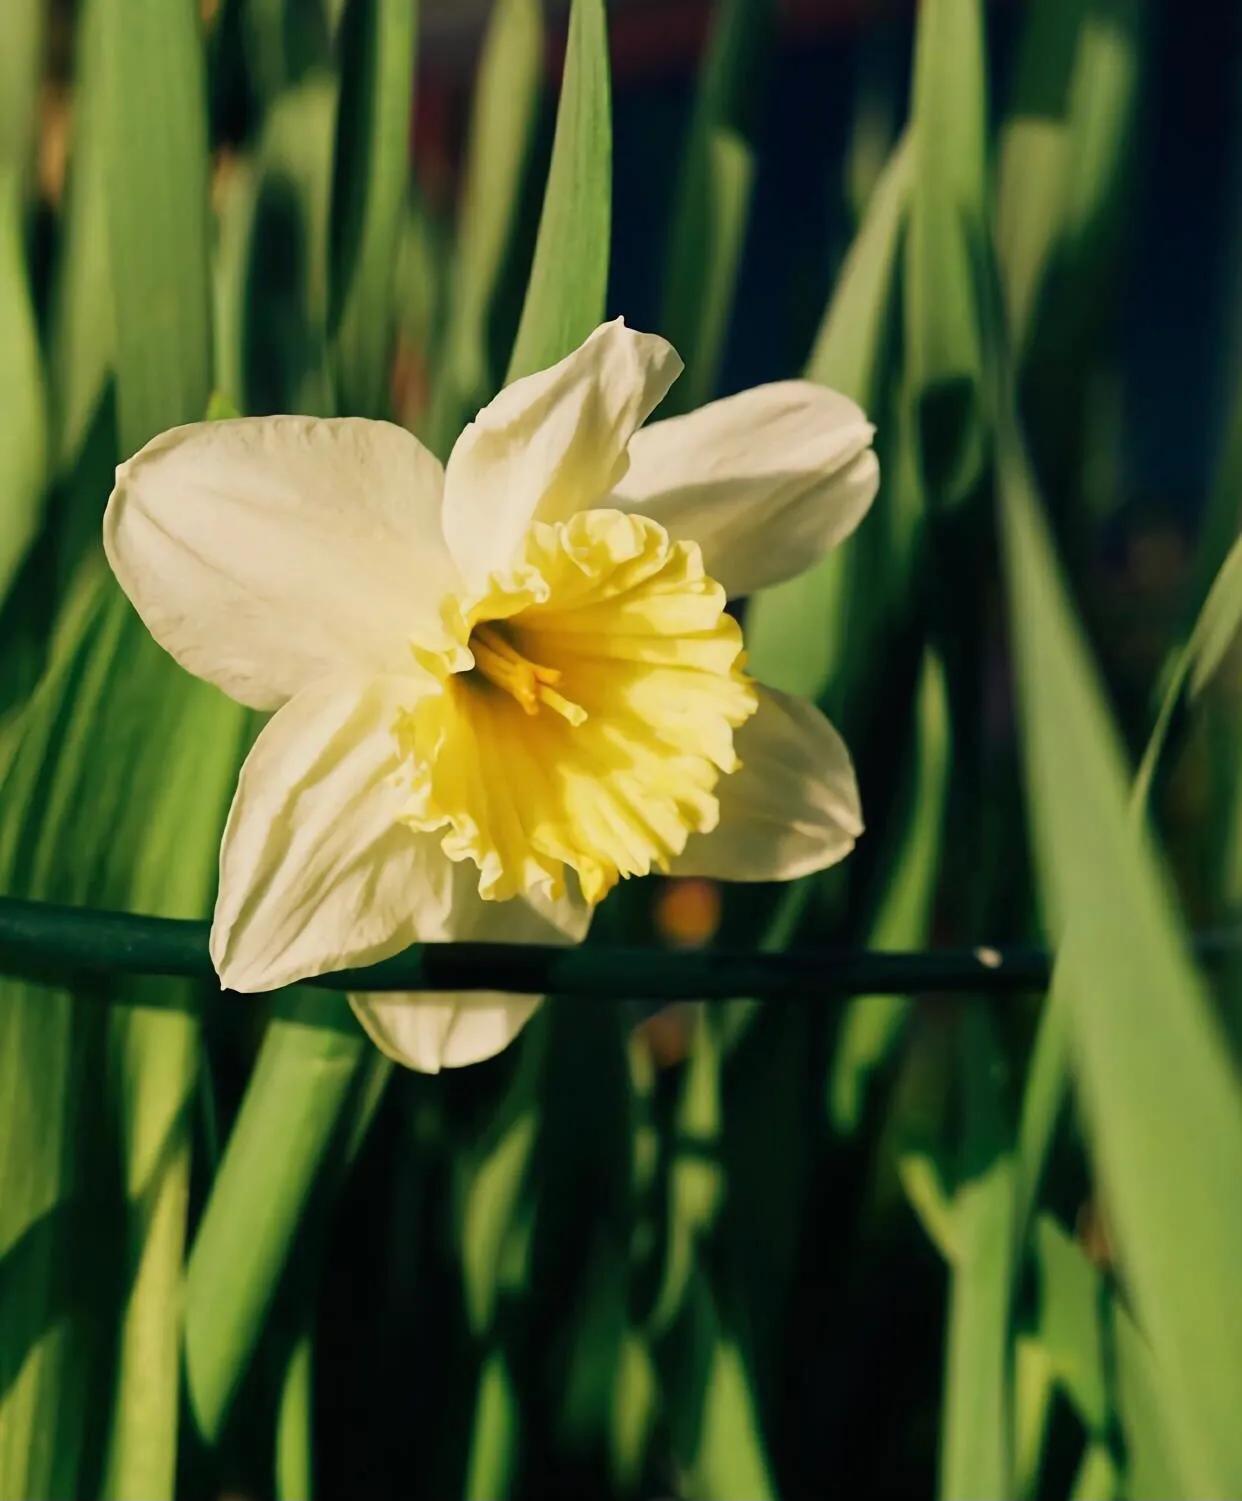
790	809
765	482
266	552
551	444
317	870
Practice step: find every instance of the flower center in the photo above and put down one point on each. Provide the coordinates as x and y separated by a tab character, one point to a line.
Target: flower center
584	713
530	684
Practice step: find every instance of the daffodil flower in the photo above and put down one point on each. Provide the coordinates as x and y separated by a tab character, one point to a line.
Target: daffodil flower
502	685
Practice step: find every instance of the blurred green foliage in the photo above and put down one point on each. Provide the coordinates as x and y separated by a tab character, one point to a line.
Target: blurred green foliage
726	1252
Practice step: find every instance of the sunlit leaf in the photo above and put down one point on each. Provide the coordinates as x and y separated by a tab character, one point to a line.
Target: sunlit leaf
1161	1098
178	738
1065	155
81	335
304	1086
295	1422
236	192
713	198
23	445
502	128
495	1190
695	1185
155	146
492	1454
909	870
1222	520
635	1407
1033	158
1193	667
797	633
1047	1075
283	40
51	1051
1105	1367
975	1453
283	338
1065	174
114	796
1033	1392
853	338
21	67
711	1403
1104	103
372	171
569	274
946	245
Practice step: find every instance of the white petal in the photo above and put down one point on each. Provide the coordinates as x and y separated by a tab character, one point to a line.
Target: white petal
265	552
433	1031
551	444
765	482
316	873
793	808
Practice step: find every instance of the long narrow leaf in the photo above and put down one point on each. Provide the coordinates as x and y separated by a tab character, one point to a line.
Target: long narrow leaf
975	1450
21	68
82	333
795	632
1048	1074
1103	1364
854	335
49	1055
155	144
1065	160
1162	1101
946	245
284	309
502	128
155	139
713	198
873	1024
569	274
295	1421
306	1075
1192	668
24	438
372	173
23	441
1197	662
1033	159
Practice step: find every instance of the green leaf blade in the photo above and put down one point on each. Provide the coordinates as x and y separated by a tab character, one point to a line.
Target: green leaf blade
306	1075
372	174
23	447
873	1024
946	245
797	633
1162	1099
565	296
81	335
502	129
154	125
713	198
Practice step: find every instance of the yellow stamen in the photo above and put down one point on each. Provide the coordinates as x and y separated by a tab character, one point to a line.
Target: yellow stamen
642	704
574	713
530	683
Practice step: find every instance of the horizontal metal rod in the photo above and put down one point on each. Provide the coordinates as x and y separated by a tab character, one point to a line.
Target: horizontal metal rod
43	941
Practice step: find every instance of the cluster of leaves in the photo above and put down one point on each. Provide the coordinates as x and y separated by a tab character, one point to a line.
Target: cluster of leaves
233	1248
